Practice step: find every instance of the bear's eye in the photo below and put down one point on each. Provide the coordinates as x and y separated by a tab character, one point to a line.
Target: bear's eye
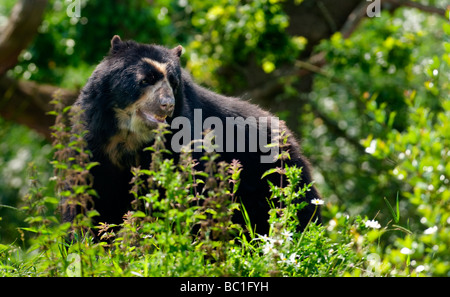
144	82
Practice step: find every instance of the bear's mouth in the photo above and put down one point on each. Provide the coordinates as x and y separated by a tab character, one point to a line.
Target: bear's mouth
151	118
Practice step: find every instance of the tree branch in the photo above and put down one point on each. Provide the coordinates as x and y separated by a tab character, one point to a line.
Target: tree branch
353	20
422	7
19	31
27	103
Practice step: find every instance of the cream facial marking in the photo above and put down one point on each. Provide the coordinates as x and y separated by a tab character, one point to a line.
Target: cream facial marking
163	86
161	67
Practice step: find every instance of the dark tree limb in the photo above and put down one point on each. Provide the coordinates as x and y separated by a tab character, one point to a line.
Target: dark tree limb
27	103
22	25
354	19
417	5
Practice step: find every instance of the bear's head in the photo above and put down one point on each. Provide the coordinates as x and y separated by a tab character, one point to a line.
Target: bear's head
145	80
138	85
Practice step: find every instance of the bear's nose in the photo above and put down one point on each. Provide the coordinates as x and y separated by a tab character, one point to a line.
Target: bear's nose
167	104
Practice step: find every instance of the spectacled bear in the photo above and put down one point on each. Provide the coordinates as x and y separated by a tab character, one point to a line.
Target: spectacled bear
135	87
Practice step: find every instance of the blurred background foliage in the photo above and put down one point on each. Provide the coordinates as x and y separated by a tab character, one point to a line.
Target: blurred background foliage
374	123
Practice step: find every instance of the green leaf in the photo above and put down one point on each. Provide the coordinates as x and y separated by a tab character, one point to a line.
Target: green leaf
247	221
139	214
396	213
91	165
270	171
53	113
93	213
7	206
51	200
3	248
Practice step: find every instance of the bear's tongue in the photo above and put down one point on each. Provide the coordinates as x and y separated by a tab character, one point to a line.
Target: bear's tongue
152	117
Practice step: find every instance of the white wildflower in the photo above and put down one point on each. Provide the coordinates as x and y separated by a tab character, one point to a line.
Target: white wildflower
317	201
420	268
278	241
373	224
266	238
269	248
287	235
290	261
293	260
430	230
283	258
406	251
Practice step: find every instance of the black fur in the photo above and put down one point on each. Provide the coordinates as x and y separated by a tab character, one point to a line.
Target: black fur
113	85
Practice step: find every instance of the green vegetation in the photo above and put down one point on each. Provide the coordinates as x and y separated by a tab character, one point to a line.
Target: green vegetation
158	238
375	125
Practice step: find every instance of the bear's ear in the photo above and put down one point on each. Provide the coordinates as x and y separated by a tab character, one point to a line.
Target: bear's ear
178	50
115	43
